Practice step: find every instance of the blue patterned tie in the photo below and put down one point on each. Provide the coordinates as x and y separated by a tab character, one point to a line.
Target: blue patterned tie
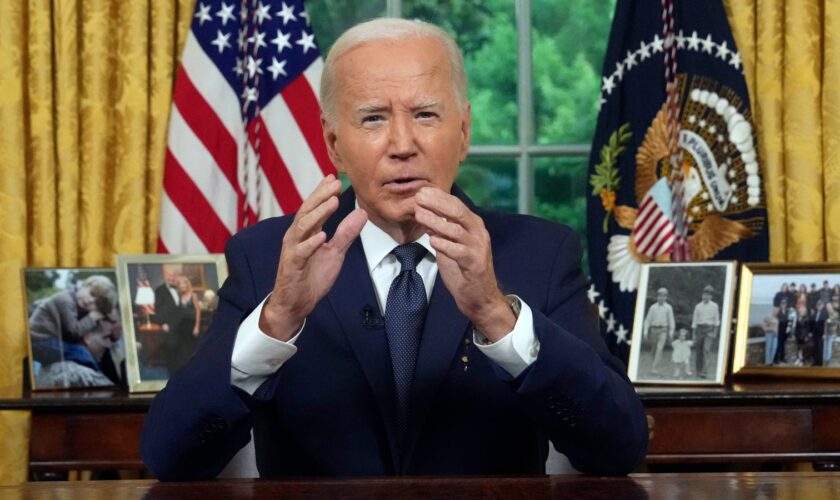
405	313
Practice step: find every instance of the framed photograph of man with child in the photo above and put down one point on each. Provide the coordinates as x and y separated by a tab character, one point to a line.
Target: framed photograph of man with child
75	333
167	303
682	323
788	320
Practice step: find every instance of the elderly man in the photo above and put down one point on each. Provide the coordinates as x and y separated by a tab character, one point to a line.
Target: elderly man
396	328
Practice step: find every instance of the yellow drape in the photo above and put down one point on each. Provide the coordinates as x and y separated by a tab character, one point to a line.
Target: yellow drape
85	90
791	54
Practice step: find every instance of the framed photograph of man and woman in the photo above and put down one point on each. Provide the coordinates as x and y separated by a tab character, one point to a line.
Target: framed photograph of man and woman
682	329
74	328
167	302
788	321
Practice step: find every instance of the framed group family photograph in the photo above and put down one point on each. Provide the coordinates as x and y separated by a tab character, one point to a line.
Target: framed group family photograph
683	318
74	328
788	321
167	302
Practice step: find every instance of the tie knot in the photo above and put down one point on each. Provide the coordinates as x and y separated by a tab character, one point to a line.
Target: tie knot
409	255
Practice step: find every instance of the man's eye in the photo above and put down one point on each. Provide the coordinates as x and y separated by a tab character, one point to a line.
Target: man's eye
372	119
425	115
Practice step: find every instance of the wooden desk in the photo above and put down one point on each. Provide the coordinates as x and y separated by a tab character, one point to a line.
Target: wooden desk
756	422
813	486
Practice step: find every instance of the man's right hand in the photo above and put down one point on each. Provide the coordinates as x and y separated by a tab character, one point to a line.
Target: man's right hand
309	265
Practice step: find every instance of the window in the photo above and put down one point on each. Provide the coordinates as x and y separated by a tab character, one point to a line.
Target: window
534	68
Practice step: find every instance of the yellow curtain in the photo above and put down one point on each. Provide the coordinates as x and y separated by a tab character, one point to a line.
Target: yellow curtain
791	54
85	89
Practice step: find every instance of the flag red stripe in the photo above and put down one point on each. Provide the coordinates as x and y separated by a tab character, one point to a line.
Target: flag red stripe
650	233
304	107
665	241
275	170
195	209
644	213
205	124
161	248
647	223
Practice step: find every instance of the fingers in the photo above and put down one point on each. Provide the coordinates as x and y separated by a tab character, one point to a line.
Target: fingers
438	225
460	253
329	186
348	230
447	206
305	249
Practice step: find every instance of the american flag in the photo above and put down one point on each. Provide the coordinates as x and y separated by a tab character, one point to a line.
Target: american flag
245	138
654	232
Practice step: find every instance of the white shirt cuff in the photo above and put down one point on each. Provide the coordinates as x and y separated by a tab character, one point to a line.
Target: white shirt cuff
518	349
256	355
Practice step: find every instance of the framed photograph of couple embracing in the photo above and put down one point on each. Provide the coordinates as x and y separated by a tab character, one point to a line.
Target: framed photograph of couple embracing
167	303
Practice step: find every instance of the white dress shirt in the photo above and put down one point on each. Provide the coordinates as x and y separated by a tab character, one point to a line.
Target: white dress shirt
256	356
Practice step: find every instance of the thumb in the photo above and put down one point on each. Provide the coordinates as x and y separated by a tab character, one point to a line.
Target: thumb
348	230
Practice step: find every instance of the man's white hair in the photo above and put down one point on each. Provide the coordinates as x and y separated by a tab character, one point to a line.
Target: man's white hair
393	29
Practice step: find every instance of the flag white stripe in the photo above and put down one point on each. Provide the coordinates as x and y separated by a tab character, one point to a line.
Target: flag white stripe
176	234
656	233
201	167
313	77
292	146
210	83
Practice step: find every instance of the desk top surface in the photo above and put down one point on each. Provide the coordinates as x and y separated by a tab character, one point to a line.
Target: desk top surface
813	486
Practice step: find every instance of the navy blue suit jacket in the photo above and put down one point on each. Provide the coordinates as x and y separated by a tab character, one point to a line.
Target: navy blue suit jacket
330	409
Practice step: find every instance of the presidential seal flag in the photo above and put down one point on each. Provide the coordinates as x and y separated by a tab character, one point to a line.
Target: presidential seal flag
245	138
674	171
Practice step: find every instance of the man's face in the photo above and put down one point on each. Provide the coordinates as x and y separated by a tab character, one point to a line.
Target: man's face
98	341
660	298
706	296
170	274
398	124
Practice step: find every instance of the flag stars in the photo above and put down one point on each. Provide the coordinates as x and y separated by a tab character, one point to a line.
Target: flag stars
202	13
644	50
602	309
250	94
222	41
253	66
722	51
694	41
258	38
225	13
277	68
708	44
306	41
287	13
619	70
611	323
681	40
282	41
735	60
657	44
305	15
262	13
621	334
592	293
608	85
237	68
630	60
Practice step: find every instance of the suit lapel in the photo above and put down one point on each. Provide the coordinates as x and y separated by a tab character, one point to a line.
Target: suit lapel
352	298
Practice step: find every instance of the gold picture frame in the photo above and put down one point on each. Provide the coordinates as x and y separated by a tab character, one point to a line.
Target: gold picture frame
167	303
779	339
693	349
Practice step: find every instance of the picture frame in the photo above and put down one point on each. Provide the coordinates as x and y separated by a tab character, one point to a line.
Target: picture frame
74	330
164	324
684	339
807	332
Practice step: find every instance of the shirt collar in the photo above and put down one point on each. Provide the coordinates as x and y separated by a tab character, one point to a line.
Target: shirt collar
378	244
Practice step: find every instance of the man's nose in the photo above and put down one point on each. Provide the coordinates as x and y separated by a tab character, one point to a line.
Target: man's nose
402	139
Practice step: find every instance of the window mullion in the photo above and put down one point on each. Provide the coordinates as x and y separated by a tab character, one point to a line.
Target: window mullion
525	101
393	8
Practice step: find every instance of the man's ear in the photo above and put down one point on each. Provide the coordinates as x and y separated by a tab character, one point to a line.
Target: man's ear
466	122
330	139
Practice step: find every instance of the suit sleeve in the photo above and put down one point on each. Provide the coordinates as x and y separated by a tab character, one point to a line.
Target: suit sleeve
576	390
198	422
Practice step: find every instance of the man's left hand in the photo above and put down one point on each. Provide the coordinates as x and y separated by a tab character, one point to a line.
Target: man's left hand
465	261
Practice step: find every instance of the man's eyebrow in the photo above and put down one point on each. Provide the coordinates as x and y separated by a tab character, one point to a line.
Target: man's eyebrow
431	103
371	108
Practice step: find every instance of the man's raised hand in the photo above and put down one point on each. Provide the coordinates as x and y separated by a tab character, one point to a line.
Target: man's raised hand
309	264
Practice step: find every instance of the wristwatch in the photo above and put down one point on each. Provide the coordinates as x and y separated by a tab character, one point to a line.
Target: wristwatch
515	306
